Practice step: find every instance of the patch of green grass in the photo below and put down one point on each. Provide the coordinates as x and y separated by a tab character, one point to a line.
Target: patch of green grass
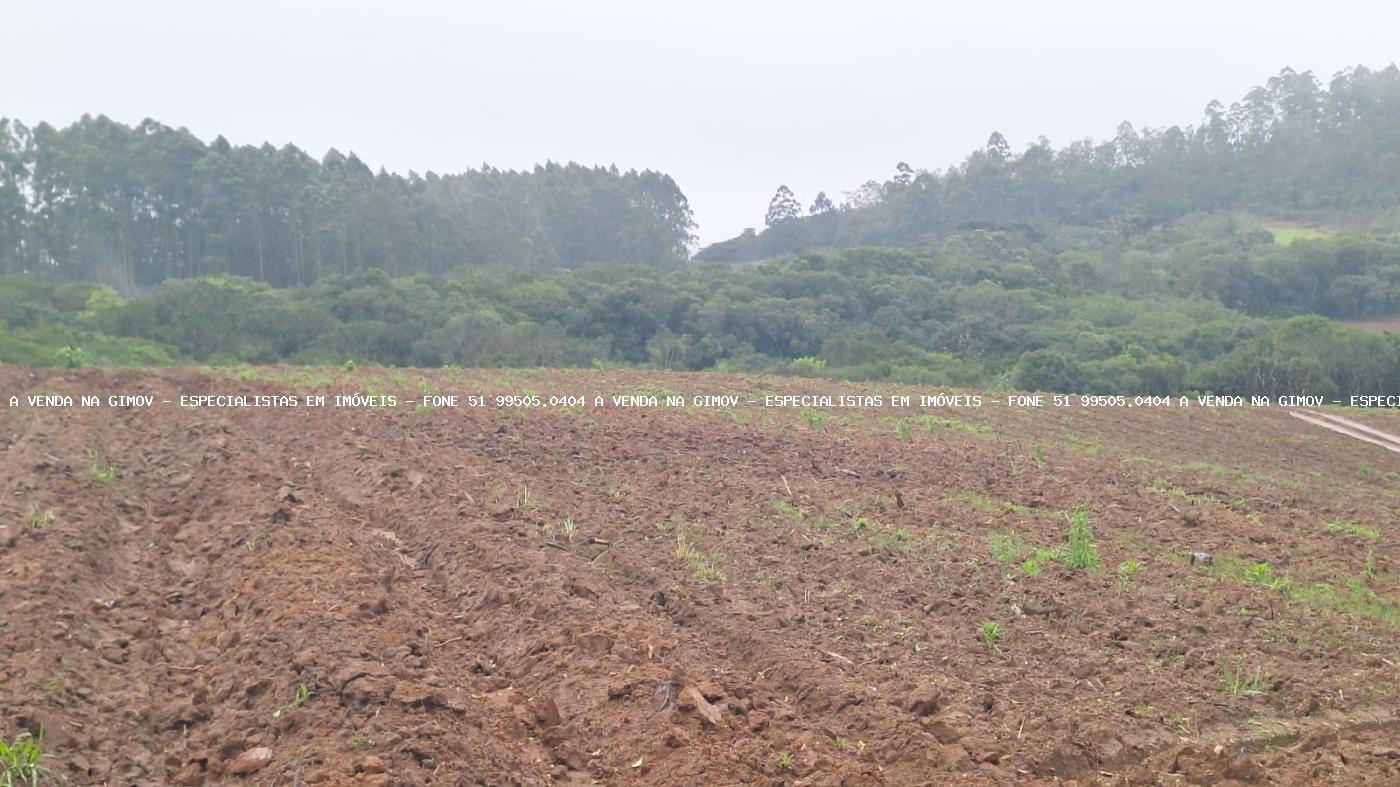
1031	568
1165	486
989	506
38	521
704	564
901	428
100	470
814	418
1201	467
655	389
1239	681
785	761
797	516
1128	570
1356	599
936	425
1353	529
1262	574
887	538
360	742
1006	547
1257	573
876	537
22	761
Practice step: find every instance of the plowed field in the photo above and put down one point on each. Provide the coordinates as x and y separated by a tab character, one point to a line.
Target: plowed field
688	596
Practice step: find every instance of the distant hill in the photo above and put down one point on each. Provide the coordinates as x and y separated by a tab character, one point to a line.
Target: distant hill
1291	148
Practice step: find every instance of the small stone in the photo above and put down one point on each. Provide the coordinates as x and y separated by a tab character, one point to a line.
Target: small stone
250	761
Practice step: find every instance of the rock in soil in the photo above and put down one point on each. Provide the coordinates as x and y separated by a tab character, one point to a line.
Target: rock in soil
250	761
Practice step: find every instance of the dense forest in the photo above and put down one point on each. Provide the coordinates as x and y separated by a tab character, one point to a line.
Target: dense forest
100	201
1203	305
1220	258
1289	148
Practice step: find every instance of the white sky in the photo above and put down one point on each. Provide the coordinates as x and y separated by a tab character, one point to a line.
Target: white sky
730	98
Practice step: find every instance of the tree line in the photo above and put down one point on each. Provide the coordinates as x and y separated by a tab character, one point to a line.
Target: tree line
100	201
1289	148
1204	305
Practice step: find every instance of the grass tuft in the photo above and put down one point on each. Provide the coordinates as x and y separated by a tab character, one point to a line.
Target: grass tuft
100	470
991	635
1080	551
22	761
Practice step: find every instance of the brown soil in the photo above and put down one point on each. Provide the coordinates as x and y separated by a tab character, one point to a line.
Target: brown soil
747	596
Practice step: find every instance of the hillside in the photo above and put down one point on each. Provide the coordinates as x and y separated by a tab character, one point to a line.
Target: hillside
1290	148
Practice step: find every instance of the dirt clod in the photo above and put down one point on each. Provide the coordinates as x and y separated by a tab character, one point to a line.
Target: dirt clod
250	761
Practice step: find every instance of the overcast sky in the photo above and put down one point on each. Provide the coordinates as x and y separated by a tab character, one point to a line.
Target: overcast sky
730	98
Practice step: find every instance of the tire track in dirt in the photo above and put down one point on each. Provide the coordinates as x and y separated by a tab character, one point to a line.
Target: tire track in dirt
1350	428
